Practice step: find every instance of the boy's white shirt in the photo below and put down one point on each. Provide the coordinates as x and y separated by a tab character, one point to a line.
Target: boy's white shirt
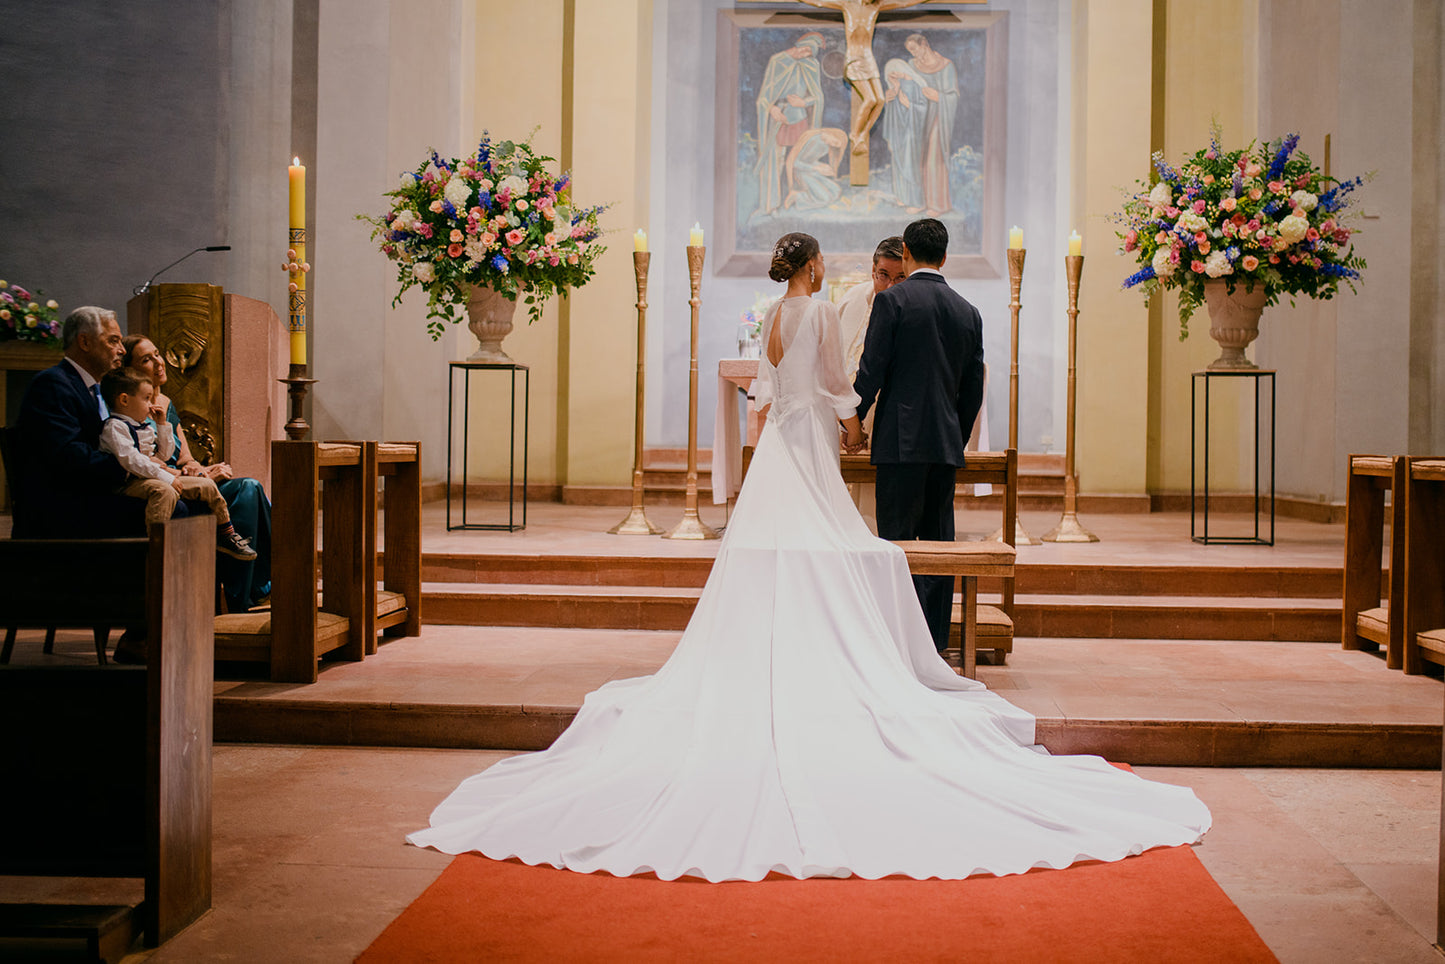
115	439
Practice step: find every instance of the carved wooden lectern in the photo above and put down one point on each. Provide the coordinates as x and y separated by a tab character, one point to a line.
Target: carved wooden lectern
223	354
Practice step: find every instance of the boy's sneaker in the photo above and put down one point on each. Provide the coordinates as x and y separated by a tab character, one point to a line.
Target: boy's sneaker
231	543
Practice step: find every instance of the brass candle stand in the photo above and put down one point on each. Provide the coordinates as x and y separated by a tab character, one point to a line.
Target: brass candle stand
296	381
637	523
692	526
1069	528
1015	283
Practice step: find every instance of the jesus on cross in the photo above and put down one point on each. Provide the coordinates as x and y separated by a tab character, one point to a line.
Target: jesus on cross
861	71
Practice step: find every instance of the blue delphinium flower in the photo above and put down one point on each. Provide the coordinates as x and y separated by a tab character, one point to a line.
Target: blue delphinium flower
1286	148
1139	277
1232	253
484	200
500	263
1333	199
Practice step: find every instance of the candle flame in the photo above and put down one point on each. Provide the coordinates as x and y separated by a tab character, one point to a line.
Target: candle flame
296	161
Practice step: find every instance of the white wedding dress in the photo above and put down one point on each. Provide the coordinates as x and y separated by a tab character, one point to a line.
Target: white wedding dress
805	724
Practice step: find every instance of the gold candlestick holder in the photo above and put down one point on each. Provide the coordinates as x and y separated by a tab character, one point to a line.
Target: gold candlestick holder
1015	284
692	526
637	523
297	380
1069	528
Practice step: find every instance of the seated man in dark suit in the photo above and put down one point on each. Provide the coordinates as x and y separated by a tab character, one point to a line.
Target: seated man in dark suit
65	487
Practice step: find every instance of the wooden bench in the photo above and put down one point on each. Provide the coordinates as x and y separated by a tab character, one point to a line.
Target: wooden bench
1423	627
398	601
108	768
301	627
1366	624
968	561
994	624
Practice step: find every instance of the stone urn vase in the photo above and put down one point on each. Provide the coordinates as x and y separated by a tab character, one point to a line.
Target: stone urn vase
1233	321
489	316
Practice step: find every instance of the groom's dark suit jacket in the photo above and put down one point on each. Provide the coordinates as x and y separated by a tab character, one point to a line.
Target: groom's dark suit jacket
64	485
923	361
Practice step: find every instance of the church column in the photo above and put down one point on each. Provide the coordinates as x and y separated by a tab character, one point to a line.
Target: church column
611	98
1111	109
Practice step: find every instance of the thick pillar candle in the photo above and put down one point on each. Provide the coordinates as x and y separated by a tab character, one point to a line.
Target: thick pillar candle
695	236
639	240
296	254
1016	237
1076	244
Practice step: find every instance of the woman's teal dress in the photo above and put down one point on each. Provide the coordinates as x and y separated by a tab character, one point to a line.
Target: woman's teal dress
244	583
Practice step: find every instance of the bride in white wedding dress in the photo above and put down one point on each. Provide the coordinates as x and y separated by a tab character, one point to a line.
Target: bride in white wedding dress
805	723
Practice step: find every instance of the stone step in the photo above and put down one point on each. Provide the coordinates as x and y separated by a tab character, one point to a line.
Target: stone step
1321	582
1074	616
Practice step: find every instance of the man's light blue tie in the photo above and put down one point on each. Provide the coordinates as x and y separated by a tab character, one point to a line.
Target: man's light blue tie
99	403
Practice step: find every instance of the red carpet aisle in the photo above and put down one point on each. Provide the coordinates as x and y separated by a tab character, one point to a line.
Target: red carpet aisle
1161	906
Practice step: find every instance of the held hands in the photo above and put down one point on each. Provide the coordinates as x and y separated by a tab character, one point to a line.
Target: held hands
854	440
219	472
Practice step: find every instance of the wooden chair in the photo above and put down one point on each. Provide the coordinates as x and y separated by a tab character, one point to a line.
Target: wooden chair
1366	624
1424	592
114	761
301	627
995	623
967	561
397	603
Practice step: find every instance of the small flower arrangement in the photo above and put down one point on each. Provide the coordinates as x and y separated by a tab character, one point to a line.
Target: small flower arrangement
752	317
1255	216
498	219
24	317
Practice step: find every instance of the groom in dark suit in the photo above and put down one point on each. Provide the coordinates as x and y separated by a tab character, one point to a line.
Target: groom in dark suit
923	361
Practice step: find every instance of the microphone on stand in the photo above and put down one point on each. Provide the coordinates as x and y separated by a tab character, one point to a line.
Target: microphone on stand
142	289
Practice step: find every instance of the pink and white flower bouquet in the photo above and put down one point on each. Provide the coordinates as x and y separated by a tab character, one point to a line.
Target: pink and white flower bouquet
28	316
1255	216
499	219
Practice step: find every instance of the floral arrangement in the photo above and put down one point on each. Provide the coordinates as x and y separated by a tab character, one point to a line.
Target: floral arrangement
24	317
1255	216
752	318
498	219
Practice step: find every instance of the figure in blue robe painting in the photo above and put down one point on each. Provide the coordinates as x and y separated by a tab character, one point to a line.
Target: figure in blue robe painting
812	169
790	103
922	102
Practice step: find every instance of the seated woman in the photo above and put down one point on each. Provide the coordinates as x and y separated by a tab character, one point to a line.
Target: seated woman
246	584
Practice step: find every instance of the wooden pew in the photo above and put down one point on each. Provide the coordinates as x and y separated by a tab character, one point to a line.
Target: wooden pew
1366	624
108	768
301	627
967	561
994	624
398	602
1424	593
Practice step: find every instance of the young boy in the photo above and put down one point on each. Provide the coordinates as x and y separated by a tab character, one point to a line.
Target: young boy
142	451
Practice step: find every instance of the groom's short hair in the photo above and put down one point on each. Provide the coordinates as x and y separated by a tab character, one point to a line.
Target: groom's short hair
927	241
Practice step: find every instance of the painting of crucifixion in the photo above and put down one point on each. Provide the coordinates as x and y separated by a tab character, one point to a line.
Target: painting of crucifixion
807	141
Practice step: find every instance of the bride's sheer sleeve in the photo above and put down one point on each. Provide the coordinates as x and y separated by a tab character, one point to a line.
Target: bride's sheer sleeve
832	377
763	385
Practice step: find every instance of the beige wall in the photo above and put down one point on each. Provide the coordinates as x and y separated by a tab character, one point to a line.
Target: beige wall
1111	147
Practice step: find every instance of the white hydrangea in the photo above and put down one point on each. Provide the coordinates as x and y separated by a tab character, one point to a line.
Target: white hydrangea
1161	196
1304	200
457	191
1292	228
408	181
1217	265
512	184
1192	222
405	220
424	271
1163	267
475	249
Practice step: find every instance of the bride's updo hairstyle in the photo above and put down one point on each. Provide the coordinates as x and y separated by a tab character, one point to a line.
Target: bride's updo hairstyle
791	254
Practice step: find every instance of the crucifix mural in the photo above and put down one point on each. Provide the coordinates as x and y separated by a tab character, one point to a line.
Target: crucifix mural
861	72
